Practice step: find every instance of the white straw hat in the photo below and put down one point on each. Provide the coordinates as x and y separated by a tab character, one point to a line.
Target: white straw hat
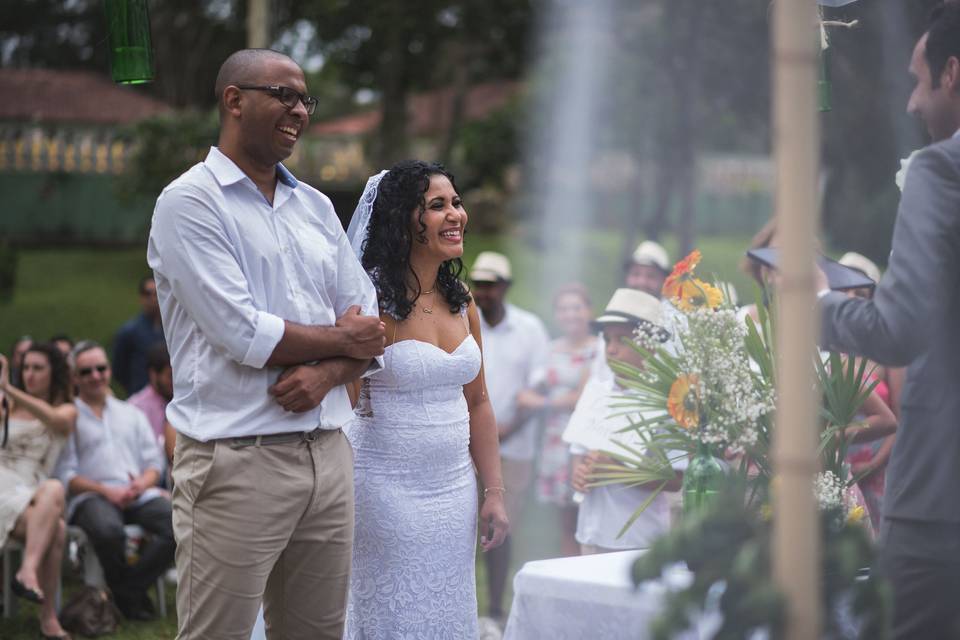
651	254
861	263
632	306
491	266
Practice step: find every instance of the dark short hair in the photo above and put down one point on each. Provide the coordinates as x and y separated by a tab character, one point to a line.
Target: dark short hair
57	337
243	67
158	358
142	285
943	38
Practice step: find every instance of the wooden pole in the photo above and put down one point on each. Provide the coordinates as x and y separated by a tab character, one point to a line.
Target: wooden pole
258	24
796	530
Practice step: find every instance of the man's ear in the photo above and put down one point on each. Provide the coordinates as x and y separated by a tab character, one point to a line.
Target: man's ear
231	100
950	78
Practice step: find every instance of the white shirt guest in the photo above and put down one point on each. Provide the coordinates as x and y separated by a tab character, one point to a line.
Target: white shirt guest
109	450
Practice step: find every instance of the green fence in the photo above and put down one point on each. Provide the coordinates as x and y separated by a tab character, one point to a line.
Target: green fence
67	207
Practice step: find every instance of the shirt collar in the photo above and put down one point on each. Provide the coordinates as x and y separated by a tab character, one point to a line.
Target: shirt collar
227	172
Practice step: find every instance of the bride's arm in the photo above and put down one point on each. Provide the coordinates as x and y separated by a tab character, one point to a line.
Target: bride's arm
485	450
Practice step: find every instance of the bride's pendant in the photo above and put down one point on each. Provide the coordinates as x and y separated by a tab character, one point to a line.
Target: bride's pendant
425	308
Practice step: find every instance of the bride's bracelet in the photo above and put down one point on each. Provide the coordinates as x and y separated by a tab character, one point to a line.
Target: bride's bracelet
486	491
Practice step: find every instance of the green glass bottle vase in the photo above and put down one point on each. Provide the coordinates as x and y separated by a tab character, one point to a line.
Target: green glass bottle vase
702	481
131	53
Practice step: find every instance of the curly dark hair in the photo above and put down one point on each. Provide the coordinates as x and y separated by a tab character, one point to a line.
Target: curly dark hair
61	389
386	251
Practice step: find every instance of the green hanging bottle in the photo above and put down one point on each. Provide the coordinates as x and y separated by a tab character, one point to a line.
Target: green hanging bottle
128	29
702	481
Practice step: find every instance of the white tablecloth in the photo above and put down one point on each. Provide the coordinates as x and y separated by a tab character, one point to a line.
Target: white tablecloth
584	597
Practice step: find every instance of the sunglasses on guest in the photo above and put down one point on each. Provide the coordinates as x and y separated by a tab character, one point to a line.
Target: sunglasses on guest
86	371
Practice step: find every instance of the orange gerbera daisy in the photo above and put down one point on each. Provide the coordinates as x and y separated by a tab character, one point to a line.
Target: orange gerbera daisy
682	271
694	294
683	403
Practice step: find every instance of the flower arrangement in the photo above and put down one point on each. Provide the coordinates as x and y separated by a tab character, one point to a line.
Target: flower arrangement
711	389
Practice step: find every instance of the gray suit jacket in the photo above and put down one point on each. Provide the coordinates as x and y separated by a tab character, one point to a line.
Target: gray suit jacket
914	319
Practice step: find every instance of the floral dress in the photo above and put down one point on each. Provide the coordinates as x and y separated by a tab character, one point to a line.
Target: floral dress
872	486
563	373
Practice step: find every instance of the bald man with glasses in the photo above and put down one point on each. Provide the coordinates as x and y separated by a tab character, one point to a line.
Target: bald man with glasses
267	314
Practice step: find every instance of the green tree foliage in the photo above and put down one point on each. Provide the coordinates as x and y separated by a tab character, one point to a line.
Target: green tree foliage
394	48
166	147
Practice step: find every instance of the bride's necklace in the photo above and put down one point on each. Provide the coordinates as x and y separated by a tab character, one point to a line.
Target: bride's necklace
425	308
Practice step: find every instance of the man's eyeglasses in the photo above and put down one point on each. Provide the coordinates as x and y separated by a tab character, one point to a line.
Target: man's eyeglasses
286	95
86	371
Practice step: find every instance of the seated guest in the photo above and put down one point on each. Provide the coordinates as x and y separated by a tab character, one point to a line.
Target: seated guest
135	338
37	416
111	466
606	509
154	397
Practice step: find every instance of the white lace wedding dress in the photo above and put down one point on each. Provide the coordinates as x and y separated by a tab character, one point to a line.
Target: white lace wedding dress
416	498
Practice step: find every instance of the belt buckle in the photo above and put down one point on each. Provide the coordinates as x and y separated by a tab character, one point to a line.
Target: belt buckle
243	441
311	436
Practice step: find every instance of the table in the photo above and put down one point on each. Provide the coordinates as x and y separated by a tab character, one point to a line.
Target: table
588	597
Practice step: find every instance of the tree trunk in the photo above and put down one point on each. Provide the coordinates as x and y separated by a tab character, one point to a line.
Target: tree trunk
392	140
459	88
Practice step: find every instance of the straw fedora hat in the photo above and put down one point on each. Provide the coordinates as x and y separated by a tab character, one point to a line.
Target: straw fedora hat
861	263
634	307
491	266
650	253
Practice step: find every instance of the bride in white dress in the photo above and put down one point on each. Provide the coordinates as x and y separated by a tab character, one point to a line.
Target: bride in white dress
424	428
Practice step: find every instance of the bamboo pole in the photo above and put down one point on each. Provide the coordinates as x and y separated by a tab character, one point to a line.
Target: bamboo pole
796	531
258	24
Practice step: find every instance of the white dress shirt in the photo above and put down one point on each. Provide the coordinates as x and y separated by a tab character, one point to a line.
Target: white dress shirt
230	267
109	450
513	351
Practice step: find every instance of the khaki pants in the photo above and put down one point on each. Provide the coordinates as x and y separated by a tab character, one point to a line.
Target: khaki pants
271	523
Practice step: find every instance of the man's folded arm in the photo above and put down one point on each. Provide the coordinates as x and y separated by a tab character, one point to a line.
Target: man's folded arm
190	250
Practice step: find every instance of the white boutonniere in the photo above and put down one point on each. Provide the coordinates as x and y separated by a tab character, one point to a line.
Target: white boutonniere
901	176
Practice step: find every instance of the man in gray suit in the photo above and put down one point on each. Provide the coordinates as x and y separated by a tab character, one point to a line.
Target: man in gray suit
914	319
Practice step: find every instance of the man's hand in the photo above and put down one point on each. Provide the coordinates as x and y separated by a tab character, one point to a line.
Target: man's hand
302	388
820	281
364	336
138	484
119	497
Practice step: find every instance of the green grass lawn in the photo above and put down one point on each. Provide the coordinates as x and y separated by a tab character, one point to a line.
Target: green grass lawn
25	626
